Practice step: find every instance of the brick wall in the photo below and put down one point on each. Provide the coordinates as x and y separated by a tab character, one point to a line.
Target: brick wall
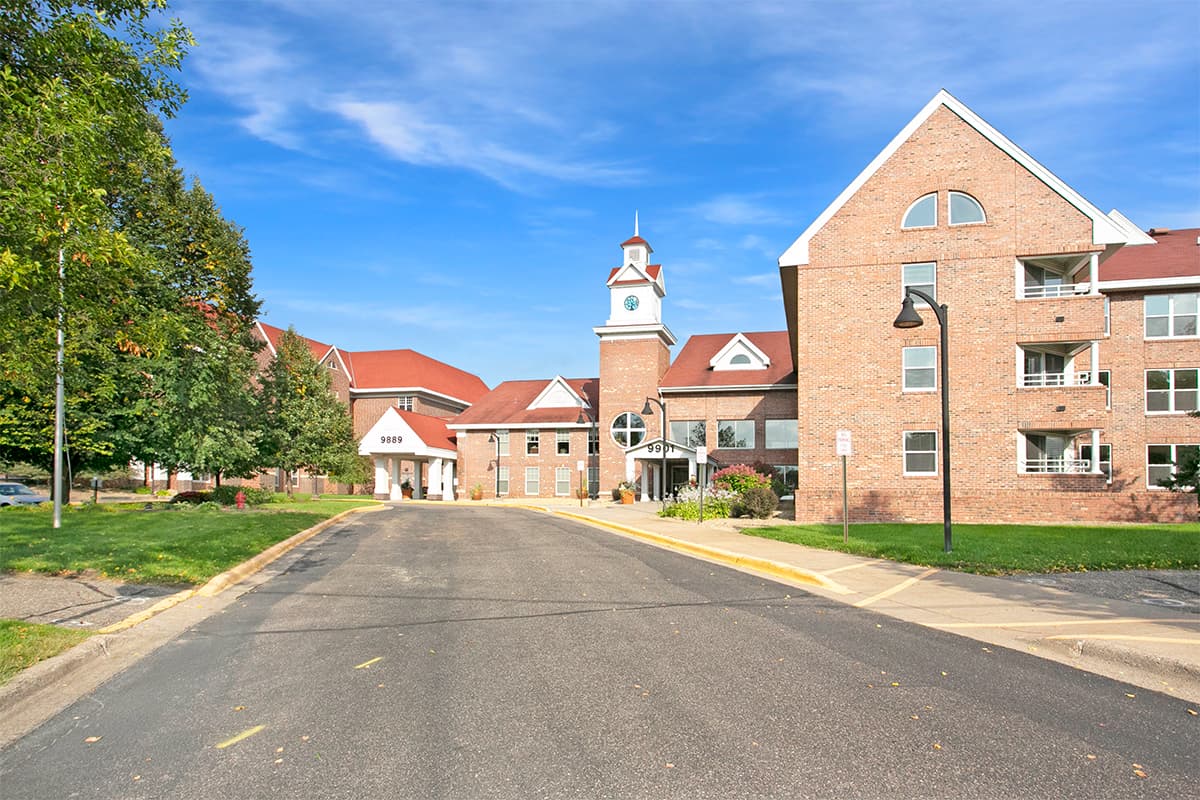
756	406
630	371
850	368
477	462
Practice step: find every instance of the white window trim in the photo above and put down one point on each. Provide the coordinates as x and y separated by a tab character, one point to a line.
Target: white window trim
537	477
558	479
504	478
904	284
1171	412
1170	318
904	453
561	436
1174	461
794	443
912	205
950	209
904	370
751	446
534	437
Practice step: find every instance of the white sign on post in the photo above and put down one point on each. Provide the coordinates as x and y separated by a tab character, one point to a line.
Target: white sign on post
701	455
843	443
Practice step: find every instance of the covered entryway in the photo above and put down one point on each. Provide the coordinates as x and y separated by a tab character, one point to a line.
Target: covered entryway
412	448
680	461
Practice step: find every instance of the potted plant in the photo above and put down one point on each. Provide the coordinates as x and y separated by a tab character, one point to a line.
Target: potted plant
477	491
626	490
406	489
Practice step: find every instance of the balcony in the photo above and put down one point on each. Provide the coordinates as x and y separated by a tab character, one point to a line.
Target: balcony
1058	466
1061	318
1063	405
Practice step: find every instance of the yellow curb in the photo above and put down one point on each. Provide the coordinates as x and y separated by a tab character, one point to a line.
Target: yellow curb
247	568
786	571
147	613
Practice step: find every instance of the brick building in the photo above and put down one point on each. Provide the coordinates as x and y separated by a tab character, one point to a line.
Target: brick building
1050	303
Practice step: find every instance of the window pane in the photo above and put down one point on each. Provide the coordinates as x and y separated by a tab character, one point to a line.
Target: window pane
922	213
781	433
922	277
735	434
1184	326
964	209
1158	379
1185	304
920	462
532	482
1186	378
562	481
1158	454
562	443
1158	401
503	488
1157	326
1158	305
920	440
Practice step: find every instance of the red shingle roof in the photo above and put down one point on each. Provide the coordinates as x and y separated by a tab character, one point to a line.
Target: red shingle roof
318	349
432	430
652	270
636	240
385	369
691	367
1175	255
507	404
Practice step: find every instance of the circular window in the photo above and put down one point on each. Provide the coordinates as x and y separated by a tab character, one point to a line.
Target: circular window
628	429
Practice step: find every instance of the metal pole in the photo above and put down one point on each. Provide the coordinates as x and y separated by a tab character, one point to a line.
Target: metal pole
59	395
845	506
662	483
945	429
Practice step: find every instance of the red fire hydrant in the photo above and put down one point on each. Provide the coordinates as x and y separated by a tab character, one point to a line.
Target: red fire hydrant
240	499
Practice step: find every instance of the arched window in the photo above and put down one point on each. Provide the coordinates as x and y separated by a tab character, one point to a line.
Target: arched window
922	213
741	359
965	209
628	429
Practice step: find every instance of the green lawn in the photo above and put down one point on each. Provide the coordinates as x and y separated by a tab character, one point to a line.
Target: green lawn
23	644
997	549
162	545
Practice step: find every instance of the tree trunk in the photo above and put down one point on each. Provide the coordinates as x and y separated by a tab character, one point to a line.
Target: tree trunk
217	478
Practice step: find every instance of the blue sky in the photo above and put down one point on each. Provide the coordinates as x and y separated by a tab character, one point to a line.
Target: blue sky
456	177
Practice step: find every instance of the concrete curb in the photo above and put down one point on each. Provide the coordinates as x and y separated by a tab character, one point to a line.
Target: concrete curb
776	568
43	674
1082	651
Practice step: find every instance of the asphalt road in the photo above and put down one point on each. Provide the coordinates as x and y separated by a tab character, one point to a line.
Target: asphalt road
479	653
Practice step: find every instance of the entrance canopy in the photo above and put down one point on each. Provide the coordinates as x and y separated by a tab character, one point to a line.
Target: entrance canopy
650	452
423	441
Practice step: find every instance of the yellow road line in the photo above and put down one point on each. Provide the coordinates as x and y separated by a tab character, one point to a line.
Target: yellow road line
897	588
240	736
1055	623
1123	637
366	664
852	566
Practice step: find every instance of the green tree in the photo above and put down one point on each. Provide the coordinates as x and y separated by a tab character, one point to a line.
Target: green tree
81	85
306	426
1187	470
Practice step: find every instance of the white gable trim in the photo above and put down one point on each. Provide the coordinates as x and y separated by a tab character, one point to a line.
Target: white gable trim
1105	230
739	345
556	388
1136	234
263	332
674	449
401	440
621	275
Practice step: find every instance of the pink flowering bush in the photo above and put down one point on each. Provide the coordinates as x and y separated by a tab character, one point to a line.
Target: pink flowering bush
740	478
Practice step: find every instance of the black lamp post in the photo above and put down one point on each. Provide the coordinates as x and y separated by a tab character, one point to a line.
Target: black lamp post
909	318
495	437
662	480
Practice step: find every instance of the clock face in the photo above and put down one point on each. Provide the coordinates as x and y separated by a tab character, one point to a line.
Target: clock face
631	303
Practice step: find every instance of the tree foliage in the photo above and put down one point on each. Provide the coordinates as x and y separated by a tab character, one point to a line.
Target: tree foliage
306	426
81	85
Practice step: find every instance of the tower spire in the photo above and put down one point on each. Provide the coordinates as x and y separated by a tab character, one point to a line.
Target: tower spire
635	222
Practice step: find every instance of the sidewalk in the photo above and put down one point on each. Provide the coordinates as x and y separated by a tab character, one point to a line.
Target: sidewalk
1155	647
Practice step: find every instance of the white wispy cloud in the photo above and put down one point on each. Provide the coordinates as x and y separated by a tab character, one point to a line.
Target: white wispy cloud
734	209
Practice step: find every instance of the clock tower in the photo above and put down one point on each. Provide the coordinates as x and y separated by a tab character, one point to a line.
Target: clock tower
634	355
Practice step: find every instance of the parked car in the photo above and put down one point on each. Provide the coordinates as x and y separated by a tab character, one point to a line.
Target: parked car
18	494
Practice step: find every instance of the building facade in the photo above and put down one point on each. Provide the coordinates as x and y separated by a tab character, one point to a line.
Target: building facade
953	208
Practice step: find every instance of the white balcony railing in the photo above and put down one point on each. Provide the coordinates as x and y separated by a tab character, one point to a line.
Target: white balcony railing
1069	466
1035	379
1034	292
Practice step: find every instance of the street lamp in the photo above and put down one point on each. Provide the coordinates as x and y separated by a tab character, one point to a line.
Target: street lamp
495	437
909	318
662	479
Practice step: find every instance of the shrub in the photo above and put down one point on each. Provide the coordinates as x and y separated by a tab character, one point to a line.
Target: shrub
192	498
718	504
227	495
759	502
740	478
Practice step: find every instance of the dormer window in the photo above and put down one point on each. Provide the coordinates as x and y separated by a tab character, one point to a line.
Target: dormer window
739	353
740	360
965	210
922	213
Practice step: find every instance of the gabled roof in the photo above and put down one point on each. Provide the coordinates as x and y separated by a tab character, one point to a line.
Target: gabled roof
692	367
408	369
650	274
508	405
1105	230
1174	254
318	349
558	394
635	239
408	433
737	345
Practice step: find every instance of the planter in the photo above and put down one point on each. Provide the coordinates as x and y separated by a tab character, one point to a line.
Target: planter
626	498
476	495
406	494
